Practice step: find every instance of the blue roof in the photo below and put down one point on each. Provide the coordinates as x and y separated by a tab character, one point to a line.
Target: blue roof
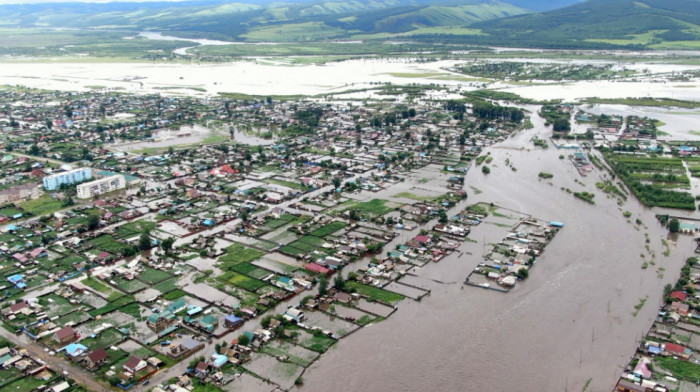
219	360
75	349
233	319
15	278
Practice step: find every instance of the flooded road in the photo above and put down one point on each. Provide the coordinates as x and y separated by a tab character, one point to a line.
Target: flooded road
569	322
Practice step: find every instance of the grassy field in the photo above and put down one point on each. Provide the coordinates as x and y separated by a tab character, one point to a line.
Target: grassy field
375	293
238	253
681	369
328	229
41	206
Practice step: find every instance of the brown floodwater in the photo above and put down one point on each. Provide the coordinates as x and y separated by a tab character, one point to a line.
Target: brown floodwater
570	321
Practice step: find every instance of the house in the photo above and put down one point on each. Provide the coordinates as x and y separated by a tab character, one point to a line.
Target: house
679	295
642	368
680	307
75	350
65	335
627	386
60	387
319	269
96	358
677	350
423	239
134	364
177	305
294	314
160	321
232	321
202	369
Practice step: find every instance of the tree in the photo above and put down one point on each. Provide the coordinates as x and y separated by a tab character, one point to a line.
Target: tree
411	112
443	217
243	340
336	182
485	170
167	244
244	214
674	225
171	150
339	282
93	221
145	241
523	273
322	286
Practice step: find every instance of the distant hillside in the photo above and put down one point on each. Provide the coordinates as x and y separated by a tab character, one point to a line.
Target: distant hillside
261	20
633	23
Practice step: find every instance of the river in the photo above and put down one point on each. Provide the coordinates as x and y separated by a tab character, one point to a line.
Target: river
569	322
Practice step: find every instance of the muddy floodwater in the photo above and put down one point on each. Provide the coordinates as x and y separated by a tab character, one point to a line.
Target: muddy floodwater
569	322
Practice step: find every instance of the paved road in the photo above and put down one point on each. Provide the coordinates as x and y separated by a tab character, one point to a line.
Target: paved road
57	362
39	159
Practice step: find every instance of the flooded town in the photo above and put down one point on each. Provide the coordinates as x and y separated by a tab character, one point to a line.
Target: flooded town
478	219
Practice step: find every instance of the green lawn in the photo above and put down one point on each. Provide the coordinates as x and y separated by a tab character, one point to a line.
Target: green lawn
152	276
41	206
242	281
96	285
328	229
681	369
375	293
238	253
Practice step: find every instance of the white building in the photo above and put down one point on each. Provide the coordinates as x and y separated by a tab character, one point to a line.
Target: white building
103	185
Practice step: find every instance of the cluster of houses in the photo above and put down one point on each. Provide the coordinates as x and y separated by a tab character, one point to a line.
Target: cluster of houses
510	260
670	343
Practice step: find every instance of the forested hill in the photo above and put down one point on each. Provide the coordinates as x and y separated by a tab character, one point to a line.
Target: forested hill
640	23
631	24
261	20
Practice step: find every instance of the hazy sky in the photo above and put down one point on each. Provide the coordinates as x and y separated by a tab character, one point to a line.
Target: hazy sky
75	1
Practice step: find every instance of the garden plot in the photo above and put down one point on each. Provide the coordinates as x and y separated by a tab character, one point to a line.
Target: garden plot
211	294
404	290
170	284
203	263
295	354
221	244
255	242
275	266
129	346
73	318
57	305
345	311
95	326
93	300
129	286
108	337
248	383
152	275
375	308
337	325
281	373
280	236
147	295
173	228
319	342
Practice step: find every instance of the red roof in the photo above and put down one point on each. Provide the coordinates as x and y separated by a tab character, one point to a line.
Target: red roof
674	348
18	306
679	295
317	268
98	355
422	239
64	333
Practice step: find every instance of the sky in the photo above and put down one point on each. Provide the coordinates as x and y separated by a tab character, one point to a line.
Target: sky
76	1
